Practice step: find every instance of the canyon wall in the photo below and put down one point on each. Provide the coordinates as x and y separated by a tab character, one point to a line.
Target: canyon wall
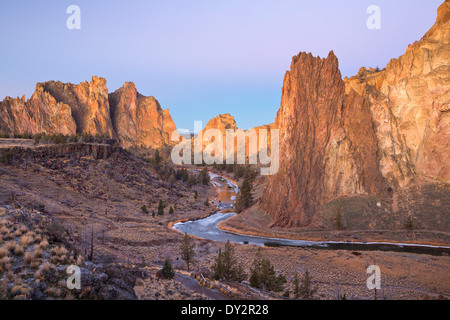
378	133
56	107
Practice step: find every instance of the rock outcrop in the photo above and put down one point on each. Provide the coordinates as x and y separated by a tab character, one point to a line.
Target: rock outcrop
224	122
139	119
87	108
89	104
378	133
41	113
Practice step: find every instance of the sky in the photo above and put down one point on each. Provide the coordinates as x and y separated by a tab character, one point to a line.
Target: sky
199	58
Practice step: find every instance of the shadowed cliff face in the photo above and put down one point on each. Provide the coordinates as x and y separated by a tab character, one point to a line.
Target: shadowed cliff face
57	107
376	133
327	143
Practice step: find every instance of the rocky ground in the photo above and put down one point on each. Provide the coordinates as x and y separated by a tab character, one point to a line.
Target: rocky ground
96	192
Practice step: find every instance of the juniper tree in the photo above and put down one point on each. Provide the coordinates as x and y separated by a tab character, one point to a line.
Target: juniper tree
226	267
157	160
262	275
306	289
160	208
187	250
167	271
296	287
339	220
244	198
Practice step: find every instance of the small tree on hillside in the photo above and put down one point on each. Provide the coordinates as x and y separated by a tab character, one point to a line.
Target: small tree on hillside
339	220
296	287
218	267
262	275
244	198
187	250
160	208
226	266
157	160
167	271
306	289
204	176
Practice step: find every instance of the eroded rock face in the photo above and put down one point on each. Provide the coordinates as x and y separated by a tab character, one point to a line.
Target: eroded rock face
89	104
56	107
224	122
41	113
410	103
378	133
327	143
140	120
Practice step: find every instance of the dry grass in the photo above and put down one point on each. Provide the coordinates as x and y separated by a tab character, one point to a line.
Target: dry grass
5	264
43	244
3	252
37	252
10	245
18	249
26	240
4	231
29	258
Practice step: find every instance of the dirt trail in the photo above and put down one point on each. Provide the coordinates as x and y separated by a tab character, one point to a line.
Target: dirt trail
193	284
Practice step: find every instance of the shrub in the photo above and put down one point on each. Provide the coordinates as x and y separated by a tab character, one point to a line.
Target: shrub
7	157
56	230
167	271
144	209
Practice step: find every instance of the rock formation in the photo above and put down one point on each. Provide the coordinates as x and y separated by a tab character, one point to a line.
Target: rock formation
139	119
224	122
56	107
378	133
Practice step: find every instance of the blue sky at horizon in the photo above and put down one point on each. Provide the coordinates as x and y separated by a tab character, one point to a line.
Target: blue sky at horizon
199	58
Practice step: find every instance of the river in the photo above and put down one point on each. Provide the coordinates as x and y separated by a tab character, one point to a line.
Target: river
207	228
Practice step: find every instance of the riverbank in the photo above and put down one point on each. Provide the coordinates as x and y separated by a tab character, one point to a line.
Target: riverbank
253	222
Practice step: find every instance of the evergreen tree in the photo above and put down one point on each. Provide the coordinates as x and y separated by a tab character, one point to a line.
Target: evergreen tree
229	262
204	176
262	275
187	250
306	290
244	198
296	287
409	224
157	160
218	267
339	220
144	209
161	208
241	275
153	213
226	267
195	195
167	271
255	271
170	210
185	175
